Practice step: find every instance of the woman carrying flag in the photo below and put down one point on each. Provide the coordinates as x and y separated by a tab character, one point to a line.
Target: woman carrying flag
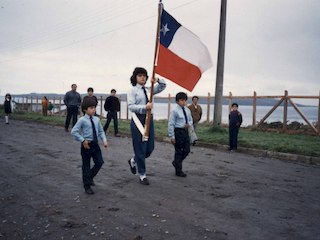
139	104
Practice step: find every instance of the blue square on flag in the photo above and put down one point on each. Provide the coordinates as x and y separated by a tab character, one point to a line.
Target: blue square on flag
168	28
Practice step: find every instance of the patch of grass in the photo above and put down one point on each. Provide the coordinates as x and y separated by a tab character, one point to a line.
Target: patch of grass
249	138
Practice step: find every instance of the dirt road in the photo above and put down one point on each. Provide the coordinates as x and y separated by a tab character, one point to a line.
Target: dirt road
225	196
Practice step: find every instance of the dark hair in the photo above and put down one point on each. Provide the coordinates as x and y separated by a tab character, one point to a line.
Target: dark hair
88	102
137	70
113	90
181	96
90	89
8	95
234	104
195	97
73	84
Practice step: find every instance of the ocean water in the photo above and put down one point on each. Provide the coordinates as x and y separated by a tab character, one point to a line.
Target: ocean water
161	112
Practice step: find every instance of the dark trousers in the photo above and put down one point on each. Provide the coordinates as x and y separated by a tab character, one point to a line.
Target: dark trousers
89	173
182	147
112	115
72	112
233	138
142	149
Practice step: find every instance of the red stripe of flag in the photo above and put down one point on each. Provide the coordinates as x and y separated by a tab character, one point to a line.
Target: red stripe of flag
176	69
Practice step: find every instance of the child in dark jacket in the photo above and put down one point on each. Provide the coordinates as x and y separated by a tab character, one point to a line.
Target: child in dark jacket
7	107
235	121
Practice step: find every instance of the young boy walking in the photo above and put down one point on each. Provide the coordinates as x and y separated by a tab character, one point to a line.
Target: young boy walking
179	123
87	130
235	120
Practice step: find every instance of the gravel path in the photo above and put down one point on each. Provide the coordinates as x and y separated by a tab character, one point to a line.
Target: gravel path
225	196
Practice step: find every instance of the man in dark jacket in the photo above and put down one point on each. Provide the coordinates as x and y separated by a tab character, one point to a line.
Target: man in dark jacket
235	121
112	106
72	100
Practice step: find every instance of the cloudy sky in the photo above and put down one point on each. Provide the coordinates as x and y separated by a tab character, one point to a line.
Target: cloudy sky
45	45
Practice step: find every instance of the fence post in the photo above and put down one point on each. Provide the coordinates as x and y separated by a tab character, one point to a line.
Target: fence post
127	108
208	108
254	108
31	102
169	105
60	104
53	102
27	104
37	102
230	100
285	110
319	115
120	107
100	107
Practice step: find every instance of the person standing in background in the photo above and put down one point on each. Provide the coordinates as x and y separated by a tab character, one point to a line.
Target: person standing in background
235	121
7	107
72	100
112	106
45	103
90	95
196	113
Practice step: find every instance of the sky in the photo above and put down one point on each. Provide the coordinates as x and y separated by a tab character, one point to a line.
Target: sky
45	45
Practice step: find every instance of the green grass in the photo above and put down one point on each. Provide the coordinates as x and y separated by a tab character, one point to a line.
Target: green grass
274	141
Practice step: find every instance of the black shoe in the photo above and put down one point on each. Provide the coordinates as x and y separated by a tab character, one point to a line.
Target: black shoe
133	169
194	143
89	191
92	183
144	181
181	174
66	130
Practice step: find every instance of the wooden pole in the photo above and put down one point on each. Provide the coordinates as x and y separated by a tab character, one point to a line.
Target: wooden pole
230	100
319	115
127	107
60	104
254	109
303	116
120	107
217	117
271	111
53	102
101	100
285	111
147	127
208	108
37	102
169	105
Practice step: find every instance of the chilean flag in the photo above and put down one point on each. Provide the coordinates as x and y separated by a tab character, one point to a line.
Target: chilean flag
182	57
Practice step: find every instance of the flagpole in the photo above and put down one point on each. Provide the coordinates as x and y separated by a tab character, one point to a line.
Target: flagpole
147	128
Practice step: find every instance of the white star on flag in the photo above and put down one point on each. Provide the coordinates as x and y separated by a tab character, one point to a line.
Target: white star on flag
164	29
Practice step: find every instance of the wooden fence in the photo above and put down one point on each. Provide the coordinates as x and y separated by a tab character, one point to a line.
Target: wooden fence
286	99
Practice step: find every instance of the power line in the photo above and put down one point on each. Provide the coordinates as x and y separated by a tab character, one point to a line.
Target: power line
64	31
94	36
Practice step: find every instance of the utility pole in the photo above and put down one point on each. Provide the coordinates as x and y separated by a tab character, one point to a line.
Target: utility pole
220	67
